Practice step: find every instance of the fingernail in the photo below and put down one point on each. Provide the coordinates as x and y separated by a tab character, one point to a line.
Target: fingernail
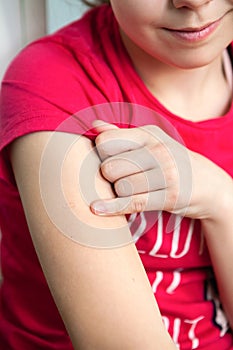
99	208
98	122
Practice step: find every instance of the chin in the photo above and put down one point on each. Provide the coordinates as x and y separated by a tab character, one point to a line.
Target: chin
193	61
192	65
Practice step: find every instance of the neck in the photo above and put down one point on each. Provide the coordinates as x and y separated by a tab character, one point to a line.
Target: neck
194	94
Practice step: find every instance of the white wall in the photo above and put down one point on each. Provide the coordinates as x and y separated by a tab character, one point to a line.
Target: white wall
61	12
21	21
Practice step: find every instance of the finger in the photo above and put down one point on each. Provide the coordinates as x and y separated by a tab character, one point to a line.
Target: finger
115	141
128	163
134	204
101	126
144	182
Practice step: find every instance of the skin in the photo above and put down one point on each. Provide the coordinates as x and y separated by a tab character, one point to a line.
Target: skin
137	191
99	312
94	320
196	68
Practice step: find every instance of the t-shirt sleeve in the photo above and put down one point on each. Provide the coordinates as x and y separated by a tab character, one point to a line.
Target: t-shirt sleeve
52	85
42	90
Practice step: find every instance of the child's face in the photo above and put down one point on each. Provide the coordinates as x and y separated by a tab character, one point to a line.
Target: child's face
182	33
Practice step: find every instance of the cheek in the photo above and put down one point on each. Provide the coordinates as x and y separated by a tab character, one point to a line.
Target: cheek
125	14
137	13
228	28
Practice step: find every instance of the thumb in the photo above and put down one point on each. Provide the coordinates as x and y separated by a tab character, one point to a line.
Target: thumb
151	201
121	205
110	207
101	126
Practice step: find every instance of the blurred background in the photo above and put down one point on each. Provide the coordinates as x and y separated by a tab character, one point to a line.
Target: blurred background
22	21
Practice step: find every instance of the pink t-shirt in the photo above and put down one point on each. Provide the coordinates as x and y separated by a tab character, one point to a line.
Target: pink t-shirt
47	87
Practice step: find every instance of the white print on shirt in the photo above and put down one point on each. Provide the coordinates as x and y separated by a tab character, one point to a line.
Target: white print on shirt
141	228
176	330
173	285
219	317
175	240
140	231
175	247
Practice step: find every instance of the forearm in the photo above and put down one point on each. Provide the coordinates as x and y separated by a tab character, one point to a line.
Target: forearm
219	238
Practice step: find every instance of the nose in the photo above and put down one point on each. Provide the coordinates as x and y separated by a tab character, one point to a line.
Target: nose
192	4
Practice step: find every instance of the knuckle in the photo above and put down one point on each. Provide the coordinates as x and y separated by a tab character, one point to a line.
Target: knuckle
100	139
155	133
138	204
171	176
120	188
102	145
107	170
123	188
172	198
99	142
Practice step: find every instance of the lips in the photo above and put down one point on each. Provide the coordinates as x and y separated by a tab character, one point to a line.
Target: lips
195	34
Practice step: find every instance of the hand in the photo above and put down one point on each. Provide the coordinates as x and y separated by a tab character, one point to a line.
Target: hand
151	171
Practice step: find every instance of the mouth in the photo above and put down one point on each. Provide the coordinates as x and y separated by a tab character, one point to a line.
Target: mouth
192	34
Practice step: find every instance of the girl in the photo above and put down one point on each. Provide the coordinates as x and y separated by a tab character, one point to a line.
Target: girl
157	76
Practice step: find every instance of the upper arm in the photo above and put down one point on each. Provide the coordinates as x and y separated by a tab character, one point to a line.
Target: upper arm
103	295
